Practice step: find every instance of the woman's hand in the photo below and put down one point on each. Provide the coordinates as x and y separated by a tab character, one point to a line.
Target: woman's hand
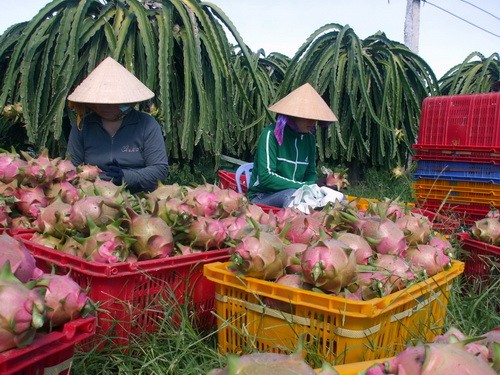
116	174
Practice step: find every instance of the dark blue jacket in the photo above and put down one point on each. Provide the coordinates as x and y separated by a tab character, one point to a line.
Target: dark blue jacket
138	147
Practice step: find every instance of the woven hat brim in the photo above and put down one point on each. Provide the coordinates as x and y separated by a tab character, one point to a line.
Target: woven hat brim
304	102
110	83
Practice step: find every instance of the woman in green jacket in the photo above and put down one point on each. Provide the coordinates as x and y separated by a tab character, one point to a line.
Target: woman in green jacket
285	159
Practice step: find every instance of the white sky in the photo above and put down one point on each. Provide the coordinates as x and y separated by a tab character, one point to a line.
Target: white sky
283	25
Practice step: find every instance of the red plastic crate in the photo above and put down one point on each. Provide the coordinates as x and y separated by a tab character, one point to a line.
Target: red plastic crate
132	296
443	224
482	260
466	213
461	122
227	180
50	353
456	155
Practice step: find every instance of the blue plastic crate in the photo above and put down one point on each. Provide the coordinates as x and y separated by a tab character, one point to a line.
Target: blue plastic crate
447	170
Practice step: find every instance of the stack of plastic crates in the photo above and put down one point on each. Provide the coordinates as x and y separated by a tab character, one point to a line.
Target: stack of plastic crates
458	155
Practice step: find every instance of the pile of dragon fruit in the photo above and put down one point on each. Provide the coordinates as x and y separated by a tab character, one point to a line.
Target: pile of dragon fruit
343	251
72	210
33	302
450	353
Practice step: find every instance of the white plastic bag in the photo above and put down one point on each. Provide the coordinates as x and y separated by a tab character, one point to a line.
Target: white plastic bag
309	197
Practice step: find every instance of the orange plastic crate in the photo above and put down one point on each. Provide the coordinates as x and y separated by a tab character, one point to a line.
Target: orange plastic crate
356	367
336	329
489	194
50	353
132	296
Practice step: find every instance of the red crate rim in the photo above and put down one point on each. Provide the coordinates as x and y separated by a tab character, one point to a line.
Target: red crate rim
72	332
117	269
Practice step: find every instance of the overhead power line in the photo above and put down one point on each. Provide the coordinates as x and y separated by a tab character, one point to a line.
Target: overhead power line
462	19
482	10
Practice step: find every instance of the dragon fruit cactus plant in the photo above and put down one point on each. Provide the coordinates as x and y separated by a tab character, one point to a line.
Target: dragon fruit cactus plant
22	311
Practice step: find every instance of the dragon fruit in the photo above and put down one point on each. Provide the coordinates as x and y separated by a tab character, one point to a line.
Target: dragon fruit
435	359
237	227
271	363
63	297
203	200
40	170
416	228
22	311
87	172
430	258
260	255
66	171
383	235
293	253
177	214
207	233
369	285
362	249
487	230
106	244
23	264
231	201
64	190
398	270
30	200
102	211
393	209
302	229
494	212
54	219
153	237
12	168
329	265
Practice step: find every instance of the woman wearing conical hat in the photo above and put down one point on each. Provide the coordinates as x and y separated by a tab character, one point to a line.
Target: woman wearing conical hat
127	145
285	159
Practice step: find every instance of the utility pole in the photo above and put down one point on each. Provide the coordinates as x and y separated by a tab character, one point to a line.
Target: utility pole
412	24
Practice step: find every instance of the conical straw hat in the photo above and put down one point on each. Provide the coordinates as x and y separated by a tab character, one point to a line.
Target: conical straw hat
110	83
304	102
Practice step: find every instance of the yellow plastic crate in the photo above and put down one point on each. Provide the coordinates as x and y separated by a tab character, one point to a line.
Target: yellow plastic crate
356	367
336	329
364	203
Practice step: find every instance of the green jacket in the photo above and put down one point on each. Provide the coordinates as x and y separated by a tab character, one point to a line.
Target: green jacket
289	166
